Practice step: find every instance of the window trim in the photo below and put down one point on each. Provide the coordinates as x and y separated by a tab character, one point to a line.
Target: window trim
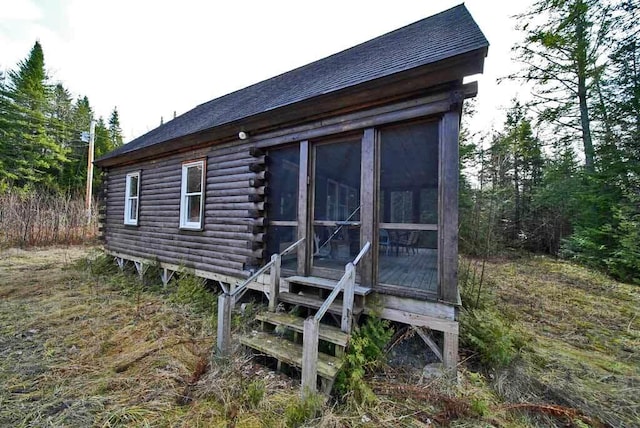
184	223
127	199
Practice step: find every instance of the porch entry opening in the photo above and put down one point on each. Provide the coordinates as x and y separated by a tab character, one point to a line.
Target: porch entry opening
408	206
336	205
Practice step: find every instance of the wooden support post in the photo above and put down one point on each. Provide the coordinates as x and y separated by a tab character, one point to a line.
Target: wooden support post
141	268
166	275
274	284
450	351
347	299
120	262
224	324
368	203
310	356
448	208
303	210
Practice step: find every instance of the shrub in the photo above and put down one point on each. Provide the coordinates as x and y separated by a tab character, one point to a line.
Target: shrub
301	410
255	392
192	290
29	218
366	349
487	334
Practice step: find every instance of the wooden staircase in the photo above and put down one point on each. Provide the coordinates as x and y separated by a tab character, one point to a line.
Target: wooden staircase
314	344
281	335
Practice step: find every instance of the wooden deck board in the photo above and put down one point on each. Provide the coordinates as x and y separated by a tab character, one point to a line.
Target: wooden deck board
327	333
290	353
410	270
327	284
315	302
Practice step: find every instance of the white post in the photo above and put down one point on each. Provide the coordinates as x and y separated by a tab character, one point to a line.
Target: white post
274	285
224	324
92	132
347	298
310	356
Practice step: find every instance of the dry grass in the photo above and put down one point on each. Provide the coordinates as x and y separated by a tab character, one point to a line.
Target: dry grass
100	350
583	335
33	219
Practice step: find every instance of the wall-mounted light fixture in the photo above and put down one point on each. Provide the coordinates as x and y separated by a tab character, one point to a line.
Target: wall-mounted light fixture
243	135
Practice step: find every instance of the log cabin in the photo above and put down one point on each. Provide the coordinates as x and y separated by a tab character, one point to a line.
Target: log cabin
332	189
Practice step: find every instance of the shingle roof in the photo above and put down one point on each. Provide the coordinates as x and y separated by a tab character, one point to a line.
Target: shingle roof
447	34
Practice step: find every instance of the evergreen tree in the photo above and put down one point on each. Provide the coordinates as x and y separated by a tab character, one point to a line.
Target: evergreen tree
30	155
562	57
115	132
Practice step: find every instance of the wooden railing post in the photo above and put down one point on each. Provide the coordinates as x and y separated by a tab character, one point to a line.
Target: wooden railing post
310	356
224	324
347	302
274	286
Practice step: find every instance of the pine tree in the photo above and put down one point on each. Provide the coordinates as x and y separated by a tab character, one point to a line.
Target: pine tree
562	57
115	132
30	155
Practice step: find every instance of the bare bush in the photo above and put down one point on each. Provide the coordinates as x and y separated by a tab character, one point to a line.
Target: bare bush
37	219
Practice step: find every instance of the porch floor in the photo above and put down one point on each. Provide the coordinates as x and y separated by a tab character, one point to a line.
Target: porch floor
413	269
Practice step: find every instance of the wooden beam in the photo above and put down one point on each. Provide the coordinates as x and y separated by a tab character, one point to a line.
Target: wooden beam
303	209
448	208
368	204
366	122
409	318
429	341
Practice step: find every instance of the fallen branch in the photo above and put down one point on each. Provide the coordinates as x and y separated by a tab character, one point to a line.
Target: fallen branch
125	366
557	411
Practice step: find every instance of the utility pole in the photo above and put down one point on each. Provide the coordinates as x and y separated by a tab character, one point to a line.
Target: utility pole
92	133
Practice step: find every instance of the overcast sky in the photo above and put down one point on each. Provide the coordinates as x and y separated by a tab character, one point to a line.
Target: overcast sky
151	58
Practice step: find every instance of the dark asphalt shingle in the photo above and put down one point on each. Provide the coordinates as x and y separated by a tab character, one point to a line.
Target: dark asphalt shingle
449	33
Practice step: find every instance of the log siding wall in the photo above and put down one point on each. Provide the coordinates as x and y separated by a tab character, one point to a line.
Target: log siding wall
232	240
229	243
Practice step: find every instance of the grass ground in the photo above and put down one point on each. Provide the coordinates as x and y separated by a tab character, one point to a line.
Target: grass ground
84	345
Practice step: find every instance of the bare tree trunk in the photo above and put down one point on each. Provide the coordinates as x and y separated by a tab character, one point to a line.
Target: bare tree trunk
582	93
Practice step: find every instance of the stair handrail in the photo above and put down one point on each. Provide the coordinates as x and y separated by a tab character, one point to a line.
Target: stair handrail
311	326
264	268
349	271
226	301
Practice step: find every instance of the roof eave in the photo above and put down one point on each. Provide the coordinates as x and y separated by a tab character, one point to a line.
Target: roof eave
366	94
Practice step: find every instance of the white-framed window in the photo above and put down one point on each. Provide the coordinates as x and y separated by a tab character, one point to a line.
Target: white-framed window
192	195
132	198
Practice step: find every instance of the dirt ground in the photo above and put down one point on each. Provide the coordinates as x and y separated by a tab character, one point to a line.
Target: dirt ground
81	346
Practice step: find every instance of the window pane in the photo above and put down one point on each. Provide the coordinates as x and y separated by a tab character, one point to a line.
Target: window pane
283	184
337	181
409	174
193	209
133	209
133	185
194	179
408	258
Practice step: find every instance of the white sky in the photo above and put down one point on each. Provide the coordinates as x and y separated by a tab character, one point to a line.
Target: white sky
151	58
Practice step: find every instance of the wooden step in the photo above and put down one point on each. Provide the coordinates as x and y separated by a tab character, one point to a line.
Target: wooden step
327	333
328	284
290	353
315	302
